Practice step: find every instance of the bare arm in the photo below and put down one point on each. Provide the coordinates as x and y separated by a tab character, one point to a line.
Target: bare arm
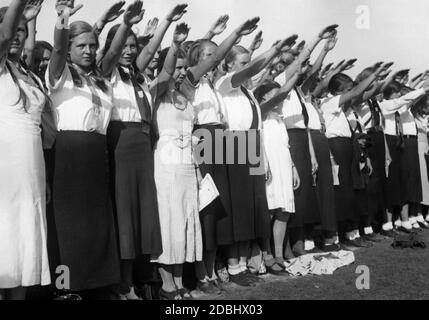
256	43
217	28
133	15
149	51
113	13
65	9
207	64
10	24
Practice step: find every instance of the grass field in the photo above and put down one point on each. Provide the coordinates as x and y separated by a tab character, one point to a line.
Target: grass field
394	275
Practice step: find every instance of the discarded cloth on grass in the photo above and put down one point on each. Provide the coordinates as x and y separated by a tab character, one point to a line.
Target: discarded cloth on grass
412	240
320	264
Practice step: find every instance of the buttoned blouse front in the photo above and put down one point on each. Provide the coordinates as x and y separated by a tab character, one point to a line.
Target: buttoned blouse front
73	106
238	109
125	106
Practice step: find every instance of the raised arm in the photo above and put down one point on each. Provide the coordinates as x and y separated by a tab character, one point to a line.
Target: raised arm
329	46
113	13
180	35
217	27
256	43
65	9
259	63
31	12
133	15
10	24
207	64
149	51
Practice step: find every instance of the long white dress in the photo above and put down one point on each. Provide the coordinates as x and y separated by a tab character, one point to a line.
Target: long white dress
423	129
23	249
280	193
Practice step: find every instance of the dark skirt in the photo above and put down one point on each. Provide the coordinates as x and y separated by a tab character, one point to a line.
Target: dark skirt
393	189
83	213
325	186
133	190
306	205
211	147
410	172
249	218
342	150
377	181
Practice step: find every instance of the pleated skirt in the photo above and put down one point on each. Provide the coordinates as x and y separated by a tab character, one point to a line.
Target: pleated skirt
249	218
306	204
83	213
133	190
342	150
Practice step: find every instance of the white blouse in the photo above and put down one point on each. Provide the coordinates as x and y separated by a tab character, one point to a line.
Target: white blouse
208	104
292	113
73	107
336	121
125	107
402	104
238	110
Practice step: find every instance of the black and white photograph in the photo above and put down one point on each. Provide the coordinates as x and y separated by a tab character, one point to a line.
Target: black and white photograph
224	152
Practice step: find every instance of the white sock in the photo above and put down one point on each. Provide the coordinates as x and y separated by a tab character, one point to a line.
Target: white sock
337	240
427	218
388	226
350	235
234	270
398	223
413	220
368	230
243	266
420	218
309	245
407	225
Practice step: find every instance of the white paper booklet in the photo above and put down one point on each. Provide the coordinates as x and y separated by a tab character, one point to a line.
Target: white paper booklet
208	192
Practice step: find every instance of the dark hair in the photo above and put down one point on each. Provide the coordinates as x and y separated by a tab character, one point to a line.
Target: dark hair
163	55
196	49
419	105
337	82
264	88
392	88
233	53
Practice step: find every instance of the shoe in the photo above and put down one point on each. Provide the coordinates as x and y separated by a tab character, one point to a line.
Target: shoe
240	280
388	233
130	295
281	272
185	294
208	288
332	248
361	243
314	251
252	277
164	295
423	225
373	237
348	245
405	230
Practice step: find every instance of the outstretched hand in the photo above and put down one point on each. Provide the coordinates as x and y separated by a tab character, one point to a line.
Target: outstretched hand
151	27
177	13
328	31
257	41
248	27
286	44
180	33
32	10
67	6
220	25
134	13
114	12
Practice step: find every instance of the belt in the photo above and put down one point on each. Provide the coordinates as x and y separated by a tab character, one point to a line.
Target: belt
317	131
408	136
375	129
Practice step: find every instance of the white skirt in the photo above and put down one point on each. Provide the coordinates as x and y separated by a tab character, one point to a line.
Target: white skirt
23	249
177	191
423	146
280	194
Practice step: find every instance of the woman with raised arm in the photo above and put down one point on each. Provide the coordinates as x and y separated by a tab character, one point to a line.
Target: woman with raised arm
203	56
283	178
403	187
249	217
23	248
130	139
175	168
343	92
82	104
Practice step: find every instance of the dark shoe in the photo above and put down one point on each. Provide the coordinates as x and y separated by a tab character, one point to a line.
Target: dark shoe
241	281
185	294
361	243
280	271
388	233
164	295
404	230
373	237
252	277
208	288
314	251
332	248
423	225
